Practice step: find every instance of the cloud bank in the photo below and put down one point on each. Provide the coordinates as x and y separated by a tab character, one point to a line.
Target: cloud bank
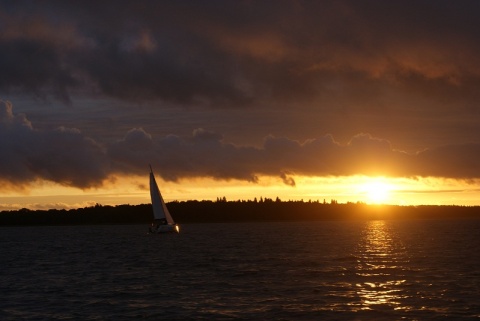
238	53
67	157
64	155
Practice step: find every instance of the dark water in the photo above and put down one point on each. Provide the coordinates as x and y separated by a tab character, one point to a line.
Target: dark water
363	270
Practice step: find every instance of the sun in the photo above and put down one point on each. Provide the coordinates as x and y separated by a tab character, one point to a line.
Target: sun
376	191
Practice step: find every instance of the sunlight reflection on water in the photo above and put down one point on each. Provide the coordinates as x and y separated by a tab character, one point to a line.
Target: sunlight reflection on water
380	256
356	270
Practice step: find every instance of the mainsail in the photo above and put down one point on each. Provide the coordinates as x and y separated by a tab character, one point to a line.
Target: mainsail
160	210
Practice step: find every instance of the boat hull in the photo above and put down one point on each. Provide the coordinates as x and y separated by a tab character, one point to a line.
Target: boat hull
168	228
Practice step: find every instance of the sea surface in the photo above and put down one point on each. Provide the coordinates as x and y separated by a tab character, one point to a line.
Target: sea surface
329	270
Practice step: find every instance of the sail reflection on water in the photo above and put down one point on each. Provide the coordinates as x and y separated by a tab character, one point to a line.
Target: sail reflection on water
381	260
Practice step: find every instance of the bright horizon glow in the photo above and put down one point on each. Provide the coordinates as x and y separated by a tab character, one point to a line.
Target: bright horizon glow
371	190
377	190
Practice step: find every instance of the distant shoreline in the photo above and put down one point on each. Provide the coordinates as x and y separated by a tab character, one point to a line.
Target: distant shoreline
236	211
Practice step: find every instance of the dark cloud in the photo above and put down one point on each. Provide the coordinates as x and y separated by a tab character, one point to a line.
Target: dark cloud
459	161
64	156
201	155
242	53
205	154
68	157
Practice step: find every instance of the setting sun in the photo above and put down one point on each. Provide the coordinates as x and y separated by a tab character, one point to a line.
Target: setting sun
376	191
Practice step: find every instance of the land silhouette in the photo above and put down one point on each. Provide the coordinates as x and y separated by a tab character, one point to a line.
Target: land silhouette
222	210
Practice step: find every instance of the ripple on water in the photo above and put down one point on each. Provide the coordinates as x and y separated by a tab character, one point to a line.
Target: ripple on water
367	270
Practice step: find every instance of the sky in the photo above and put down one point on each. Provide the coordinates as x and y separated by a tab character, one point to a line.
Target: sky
357	101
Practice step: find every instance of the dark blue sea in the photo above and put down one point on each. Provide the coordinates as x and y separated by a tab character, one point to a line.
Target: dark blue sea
329	270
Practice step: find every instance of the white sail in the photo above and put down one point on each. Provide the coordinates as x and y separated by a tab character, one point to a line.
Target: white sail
160	210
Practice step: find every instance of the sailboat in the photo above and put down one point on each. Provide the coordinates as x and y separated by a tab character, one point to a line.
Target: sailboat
163	221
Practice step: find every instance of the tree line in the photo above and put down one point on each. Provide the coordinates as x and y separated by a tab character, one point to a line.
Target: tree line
221	210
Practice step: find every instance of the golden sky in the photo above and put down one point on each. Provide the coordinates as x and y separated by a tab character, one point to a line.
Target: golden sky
366	101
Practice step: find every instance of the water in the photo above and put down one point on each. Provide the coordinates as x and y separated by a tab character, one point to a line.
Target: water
355	270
